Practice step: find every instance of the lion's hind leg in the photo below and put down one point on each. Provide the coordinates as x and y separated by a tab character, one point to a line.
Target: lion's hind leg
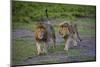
75	42
67	43
74	39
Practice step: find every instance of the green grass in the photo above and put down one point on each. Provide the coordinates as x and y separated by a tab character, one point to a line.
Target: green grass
57	48
30	11
86	26
90	32
86	21
28	26
22	49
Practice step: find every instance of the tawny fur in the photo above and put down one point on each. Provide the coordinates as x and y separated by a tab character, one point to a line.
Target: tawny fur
43	33
69	33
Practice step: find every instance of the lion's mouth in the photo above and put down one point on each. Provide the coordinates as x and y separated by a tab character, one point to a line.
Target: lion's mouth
41	37
64	36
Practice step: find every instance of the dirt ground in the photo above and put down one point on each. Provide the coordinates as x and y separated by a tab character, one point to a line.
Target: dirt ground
88	43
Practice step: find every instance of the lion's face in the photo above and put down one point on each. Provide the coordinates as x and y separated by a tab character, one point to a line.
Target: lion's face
41	33
64	31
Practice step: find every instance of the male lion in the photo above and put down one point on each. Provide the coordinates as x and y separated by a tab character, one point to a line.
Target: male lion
43	33
69	33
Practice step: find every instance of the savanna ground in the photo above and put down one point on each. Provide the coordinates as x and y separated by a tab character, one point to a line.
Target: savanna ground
23	44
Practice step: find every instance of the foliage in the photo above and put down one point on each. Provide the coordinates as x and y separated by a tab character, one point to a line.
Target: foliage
33	11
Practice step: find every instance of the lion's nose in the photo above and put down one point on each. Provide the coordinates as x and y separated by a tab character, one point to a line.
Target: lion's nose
41	35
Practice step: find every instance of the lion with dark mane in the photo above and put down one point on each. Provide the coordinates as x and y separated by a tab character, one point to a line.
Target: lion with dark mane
69	33
43	33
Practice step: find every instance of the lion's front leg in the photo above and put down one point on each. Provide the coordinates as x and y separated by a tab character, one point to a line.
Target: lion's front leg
67	44
45	48
38	45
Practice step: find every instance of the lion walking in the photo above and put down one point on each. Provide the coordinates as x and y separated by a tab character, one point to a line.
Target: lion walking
69	33
43	33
